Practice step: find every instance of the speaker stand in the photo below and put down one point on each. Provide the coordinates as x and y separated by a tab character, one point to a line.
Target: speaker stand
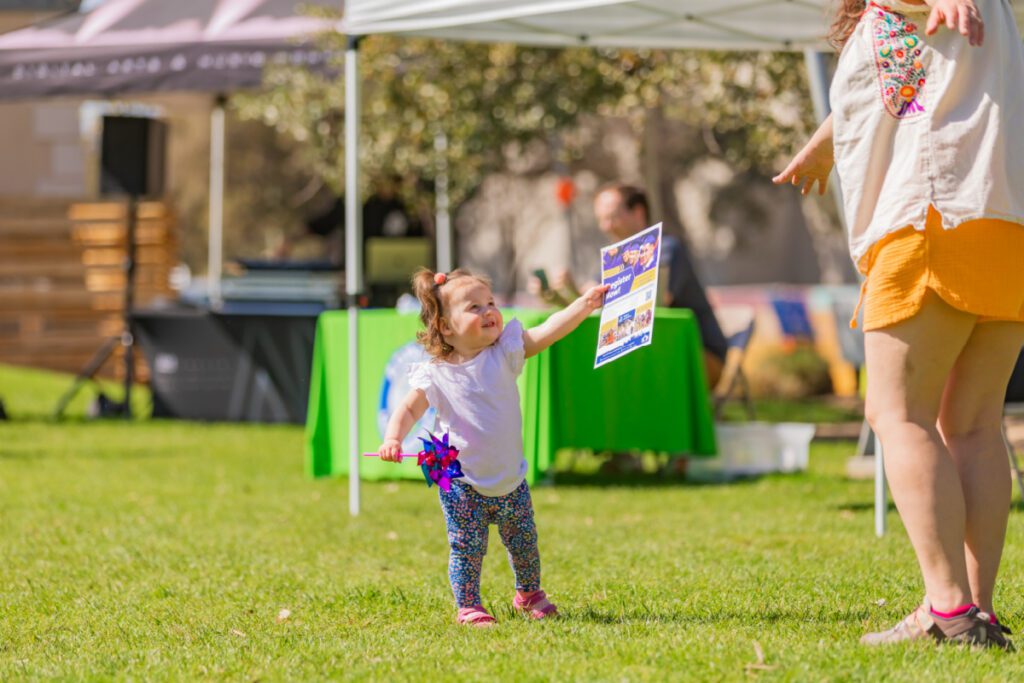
126	340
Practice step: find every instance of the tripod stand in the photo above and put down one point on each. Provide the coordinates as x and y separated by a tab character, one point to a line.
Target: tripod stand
126	339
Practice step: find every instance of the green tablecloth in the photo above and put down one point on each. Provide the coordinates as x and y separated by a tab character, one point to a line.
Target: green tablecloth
655	398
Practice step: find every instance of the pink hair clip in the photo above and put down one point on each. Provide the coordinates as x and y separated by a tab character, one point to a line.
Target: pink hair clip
440	279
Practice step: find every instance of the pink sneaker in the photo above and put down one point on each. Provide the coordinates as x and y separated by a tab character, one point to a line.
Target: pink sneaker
475	616
535	604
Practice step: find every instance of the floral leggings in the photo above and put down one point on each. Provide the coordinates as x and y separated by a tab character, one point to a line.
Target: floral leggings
467	514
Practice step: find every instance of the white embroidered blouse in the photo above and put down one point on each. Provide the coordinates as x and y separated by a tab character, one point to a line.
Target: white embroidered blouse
928	120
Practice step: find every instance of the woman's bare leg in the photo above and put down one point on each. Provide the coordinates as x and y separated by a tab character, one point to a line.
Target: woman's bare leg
970	421
908	365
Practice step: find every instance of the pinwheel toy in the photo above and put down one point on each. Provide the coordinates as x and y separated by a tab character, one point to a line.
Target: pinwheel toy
438	460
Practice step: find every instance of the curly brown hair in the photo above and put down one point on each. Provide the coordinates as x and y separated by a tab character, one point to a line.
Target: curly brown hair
433	298
848	15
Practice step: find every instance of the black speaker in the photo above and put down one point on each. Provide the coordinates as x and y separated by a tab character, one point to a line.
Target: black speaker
132	156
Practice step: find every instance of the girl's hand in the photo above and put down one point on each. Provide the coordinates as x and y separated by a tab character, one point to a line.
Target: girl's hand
812	165
390	450
957	15
538	338
593	298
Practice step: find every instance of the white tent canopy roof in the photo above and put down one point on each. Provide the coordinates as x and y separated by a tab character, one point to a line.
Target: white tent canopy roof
669	24
665	24
711	24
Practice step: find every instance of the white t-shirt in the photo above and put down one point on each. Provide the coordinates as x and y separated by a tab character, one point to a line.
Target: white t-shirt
922	120
477	403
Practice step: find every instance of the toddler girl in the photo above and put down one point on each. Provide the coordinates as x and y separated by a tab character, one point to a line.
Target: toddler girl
471	383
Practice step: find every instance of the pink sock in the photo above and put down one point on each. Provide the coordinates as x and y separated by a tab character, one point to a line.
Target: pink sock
958	612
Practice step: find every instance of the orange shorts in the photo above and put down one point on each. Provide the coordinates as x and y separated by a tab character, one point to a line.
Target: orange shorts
977	268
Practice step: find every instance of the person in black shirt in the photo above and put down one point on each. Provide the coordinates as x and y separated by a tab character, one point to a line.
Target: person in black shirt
622	211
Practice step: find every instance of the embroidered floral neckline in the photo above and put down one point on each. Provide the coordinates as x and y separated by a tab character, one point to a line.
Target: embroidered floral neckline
901	72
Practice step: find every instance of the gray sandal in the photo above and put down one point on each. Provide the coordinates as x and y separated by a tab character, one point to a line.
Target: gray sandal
972	628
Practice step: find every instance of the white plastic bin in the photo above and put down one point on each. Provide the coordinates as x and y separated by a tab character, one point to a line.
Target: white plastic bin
753	448
794	445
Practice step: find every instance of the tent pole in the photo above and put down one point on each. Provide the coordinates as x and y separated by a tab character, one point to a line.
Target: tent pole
881	499
817	71
353	261
443	219
215	248
820	81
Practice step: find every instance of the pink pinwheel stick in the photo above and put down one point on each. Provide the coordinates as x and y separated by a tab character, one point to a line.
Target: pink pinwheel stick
402	455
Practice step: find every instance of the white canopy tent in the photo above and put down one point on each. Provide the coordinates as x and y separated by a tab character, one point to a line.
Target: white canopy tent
670	24
667	24
689	24
781	25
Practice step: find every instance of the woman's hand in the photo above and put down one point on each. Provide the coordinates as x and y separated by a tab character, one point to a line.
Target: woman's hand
812	165
390	450
814	162
957	15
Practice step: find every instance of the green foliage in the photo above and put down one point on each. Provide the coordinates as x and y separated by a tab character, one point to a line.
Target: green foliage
791	373
492	101
483	98
754	105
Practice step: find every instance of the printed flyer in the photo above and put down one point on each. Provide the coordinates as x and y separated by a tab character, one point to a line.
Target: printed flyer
630	269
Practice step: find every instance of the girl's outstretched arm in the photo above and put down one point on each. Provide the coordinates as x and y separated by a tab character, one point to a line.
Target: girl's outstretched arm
536	339
814	162
405	416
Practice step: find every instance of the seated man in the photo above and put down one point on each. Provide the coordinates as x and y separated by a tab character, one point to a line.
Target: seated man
622	211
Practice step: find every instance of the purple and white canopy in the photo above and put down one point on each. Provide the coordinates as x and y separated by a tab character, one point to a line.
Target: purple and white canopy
125	46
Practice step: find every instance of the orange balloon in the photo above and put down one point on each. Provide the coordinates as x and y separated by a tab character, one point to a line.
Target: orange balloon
565	191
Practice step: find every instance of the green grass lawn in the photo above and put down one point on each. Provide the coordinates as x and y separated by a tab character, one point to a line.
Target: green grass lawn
167	551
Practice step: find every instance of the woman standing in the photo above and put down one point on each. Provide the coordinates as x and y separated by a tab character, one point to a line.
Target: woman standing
925	99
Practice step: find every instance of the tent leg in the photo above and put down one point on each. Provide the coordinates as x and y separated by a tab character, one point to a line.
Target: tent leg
353	261
443	219
881	501
215	248
817	74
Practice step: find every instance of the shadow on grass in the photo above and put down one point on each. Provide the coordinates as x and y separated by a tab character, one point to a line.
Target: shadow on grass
36	419
23	454
639	480
93	452
138	420
866	506
646	469
647	614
